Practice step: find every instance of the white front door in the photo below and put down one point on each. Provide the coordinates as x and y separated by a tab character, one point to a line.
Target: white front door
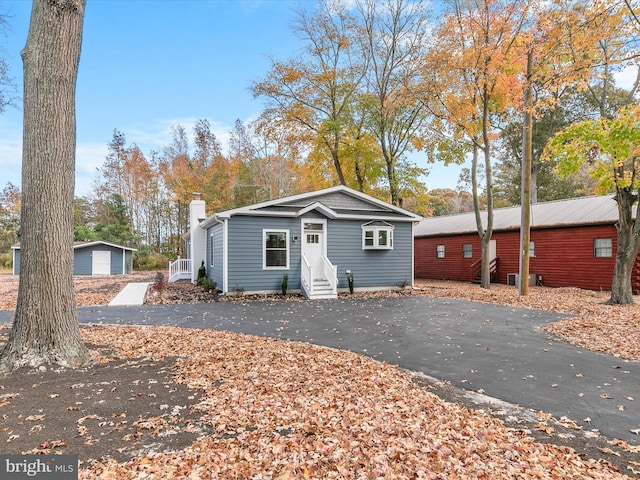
313	245
101	262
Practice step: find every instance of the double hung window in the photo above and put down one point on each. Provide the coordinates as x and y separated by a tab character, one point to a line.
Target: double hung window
275	249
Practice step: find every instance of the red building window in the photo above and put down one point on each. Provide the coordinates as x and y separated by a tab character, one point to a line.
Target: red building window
602	247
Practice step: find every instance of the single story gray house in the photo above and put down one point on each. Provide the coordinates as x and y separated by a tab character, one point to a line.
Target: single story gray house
315	240
93	258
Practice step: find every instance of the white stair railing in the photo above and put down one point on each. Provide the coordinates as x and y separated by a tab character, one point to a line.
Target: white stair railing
331	274
306	276
180	269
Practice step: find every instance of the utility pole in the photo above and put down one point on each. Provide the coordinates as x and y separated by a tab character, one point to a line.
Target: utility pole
525	196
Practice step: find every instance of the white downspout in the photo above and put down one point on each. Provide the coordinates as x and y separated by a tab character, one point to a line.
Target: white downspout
225	256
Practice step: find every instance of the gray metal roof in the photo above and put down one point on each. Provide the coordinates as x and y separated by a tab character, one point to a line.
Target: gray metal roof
574	211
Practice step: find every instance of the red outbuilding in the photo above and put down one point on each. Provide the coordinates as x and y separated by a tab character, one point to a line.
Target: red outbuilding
573	244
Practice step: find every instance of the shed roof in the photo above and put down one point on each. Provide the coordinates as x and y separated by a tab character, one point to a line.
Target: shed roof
571	212
79	245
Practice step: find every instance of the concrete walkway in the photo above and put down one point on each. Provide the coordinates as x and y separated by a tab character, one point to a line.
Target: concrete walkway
133	294
474	346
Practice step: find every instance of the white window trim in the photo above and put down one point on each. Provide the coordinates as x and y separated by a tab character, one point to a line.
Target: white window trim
438	251
376	229
264	247
324	231
470	251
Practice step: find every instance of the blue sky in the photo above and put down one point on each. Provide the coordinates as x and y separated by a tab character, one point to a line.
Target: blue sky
149	64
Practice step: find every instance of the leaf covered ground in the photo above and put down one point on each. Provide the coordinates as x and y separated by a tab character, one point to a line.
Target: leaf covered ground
176	403
250	407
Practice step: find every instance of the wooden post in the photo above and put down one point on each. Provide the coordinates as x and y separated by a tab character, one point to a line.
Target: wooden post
525	222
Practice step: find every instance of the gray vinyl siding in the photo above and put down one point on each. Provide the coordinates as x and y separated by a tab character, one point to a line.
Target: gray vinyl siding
16	261
117	261
245	254
216	273
340	201
83	259
370	268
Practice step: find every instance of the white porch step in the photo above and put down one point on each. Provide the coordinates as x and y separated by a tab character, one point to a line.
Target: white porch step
180	276
321	289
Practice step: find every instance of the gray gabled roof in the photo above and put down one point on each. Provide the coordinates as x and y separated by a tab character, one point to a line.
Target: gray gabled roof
337	202
571	212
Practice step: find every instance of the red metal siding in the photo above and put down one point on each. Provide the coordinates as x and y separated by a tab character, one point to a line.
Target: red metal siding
563	257
452	266
507	251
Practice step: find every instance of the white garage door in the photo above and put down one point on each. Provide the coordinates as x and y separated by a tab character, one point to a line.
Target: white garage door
101	263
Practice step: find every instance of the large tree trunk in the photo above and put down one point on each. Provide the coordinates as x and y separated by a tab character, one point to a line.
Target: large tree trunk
628	246
621	292
45	329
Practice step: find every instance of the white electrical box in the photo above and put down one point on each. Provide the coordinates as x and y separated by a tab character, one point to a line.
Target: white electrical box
512	279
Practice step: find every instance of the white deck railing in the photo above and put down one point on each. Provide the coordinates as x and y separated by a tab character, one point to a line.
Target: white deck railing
180	269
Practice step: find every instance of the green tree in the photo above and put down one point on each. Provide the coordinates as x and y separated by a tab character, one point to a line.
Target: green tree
611	150
546	184
83	220
114	225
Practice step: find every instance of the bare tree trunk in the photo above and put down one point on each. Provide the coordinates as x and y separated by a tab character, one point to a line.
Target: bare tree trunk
485	274
336	163
628	247
45	329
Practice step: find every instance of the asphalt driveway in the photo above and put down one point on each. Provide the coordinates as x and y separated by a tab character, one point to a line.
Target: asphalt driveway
476	346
